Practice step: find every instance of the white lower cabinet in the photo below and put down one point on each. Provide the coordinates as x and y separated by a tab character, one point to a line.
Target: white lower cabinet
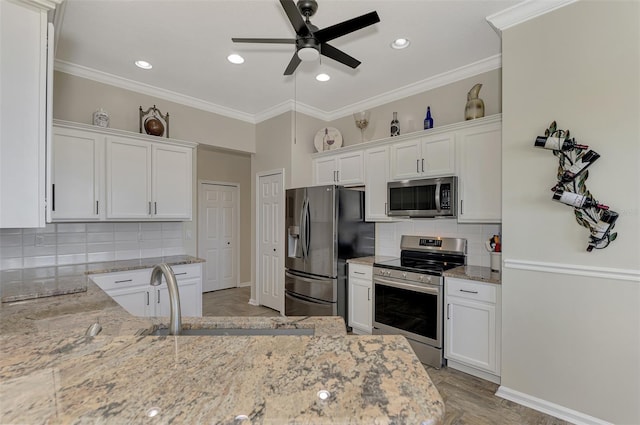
473	327
360	309
131	289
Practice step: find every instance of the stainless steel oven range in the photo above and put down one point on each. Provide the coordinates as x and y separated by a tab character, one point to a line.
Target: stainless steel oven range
408	293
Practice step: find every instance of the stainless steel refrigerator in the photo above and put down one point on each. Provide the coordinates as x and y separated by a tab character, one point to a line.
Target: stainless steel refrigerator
324	227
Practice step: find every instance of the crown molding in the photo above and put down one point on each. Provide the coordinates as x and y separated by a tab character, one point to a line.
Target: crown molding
43	4
475	68
124	83
291	106
523	12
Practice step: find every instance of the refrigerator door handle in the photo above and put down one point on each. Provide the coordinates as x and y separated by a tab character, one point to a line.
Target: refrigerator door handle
307	228
305	299
303	227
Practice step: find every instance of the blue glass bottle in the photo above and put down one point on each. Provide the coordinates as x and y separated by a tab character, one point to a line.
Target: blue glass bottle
428	121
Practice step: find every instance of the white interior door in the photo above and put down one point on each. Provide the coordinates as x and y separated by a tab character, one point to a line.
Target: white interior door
270	278
218	235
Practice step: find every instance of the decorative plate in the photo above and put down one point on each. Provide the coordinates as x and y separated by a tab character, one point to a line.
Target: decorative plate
327	139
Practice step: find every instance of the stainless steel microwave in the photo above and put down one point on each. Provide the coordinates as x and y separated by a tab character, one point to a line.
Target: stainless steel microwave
424	198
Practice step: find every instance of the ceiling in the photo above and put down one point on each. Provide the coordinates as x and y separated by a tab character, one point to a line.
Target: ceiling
188	41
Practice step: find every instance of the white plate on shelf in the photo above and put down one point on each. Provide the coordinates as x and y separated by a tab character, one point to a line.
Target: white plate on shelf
327	139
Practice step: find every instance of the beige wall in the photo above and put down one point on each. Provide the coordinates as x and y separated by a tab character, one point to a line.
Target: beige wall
231	167
569	339
75	99
447	107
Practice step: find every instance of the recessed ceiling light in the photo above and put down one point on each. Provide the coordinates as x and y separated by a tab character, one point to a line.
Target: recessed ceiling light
400	43
323	77
237	59
143	64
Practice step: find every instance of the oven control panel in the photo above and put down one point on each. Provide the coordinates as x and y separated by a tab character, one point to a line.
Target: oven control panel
430	242
407	276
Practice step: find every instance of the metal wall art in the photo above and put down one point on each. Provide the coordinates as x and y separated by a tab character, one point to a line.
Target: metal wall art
153	122
570	189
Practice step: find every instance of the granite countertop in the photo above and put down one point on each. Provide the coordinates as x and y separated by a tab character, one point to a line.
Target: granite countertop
25	284
478	273
51	373
368	261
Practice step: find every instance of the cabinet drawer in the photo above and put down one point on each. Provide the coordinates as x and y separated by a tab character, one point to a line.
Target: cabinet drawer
120	280
360	271
470	289
187	271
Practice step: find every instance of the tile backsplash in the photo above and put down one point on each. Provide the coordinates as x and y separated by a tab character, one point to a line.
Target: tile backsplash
74	243
388	236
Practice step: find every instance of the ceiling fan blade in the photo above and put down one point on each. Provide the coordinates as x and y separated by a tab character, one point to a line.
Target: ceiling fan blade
343	28
293	64
299	25
265	40
337	54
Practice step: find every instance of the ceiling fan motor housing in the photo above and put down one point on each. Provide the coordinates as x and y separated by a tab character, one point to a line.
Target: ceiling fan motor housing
307	7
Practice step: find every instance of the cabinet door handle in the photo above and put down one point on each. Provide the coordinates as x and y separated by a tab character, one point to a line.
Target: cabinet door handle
183	273
123	281
461	207
97	207
423	165
448	311
337	176
53	197
155	207
358	273
147	297
149	207
468	292
158	296
417	165
368	294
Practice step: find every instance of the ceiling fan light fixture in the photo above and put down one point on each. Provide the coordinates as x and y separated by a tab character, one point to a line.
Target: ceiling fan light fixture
400	43
323	77
235	59
308	54
143	64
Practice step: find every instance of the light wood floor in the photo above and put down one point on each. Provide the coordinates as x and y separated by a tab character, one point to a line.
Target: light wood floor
468	400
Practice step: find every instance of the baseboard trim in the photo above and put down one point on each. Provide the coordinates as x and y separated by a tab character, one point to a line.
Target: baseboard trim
253	302
574	269
244	284
473	371
549	408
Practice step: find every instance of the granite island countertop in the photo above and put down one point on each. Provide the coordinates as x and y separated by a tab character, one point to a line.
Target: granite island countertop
51	373
38	282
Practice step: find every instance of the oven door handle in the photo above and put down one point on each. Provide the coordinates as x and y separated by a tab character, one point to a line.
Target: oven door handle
408	286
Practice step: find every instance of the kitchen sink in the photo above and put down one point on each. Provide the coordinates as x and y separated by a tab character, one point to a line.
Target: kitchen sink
236	332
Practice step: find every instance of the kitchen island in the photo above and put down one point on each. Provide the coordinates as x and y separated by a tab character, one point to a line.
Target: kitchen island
50	372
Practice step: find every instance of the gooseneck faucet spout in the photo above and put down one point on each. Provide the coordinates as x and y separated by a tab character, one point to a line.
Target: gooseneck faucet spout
163	269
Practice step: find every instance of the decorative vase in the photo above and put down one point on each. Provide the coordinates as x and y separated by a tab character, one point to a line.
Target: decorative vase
475	106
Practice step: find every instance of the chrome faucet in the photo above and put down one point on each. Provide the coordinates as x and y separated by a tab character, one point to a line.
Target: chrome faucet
162	269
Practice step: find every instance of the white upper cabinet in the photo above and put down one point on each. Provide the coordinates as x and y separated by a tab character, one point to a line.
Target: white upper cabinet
376	163
480	173
105	174
25	70
342	169
128	178
171	182
76	175
426	156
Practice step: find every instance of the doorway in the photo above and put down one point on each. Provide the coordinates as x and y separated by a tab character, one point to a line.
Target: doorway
218	234
269	239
